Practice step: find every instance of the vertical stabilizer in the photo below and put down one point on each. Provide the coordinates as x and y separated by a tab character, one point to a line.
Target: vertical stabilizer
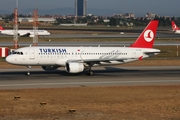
146	38
1	28
174	26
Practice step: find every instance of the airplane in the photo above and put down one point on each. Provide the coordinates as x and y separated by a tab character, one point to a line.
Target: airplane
23	33
78	59
175	27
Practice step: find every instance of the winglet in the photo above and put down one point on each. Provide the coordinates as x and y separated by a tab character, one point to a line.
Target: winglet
146	38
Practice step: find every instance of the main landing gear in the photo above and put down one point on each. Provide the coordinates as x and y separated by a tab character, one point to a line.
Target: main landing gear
28	72
90	72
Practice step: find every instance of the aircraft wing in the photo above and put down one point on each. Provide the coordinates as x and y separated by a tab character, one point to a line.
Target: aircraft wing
97	61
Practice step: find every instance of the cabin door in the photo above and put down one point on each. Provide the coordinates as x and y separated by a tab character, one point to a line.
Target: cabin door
31	53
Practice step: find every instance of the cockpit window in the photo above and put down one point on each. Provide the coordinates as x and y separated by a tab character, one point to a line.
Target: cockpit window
17	53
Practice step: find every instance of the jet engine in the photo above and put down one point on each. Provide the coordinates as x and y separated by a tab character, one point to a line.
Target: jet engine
73	67
46	68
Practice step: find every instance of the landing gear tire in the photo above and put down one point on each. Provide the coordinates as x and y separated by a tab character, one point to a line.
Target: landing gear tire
90	73
28	73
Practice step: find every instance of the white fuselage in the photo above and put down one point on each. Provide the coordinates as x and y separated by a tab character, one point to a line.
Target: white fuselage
42	56
25	32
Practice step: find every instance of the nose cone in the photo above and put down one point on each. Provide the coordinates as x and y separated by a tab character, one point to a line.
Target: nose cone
9	59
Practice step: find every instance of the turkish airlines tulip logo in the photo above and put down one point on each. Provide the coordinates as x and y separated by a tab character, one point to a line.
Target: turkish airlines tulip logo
148	35
174	26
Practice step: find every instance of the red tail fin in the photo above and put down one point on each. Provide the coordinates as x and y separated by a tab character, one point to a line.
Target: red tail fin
146	39
174	26
1	28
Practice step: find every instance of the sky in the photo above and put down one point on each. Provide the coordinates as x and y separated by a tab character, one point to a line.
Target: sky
98	7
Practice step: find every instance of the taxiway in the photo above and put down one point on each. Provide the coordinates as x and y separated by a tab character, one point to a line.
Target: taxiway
104	76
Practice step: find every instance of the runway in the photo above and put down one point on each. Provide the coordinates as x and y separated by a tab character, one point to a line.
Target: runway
128	35
121	42
104	76
101	44
96	35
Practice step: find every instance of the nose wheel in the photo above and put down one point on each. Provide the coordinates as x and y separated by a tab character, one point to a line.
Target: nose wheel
28	73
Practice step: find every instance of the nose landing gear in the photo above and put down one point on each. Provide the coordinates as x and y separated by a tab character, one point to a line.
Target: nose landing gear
28	72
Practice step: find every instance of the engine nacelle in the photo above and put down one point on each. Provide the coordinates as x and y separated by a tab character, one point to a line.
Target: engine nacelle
46	68
74	67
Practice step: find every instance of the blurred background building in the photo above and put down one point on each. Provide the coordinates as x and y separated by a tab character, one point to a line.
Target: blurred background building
80	7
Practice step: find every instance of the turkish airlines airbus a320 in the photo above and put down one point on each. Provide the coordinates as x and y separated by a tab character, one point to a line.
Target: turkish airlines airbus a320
79	59
24	33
